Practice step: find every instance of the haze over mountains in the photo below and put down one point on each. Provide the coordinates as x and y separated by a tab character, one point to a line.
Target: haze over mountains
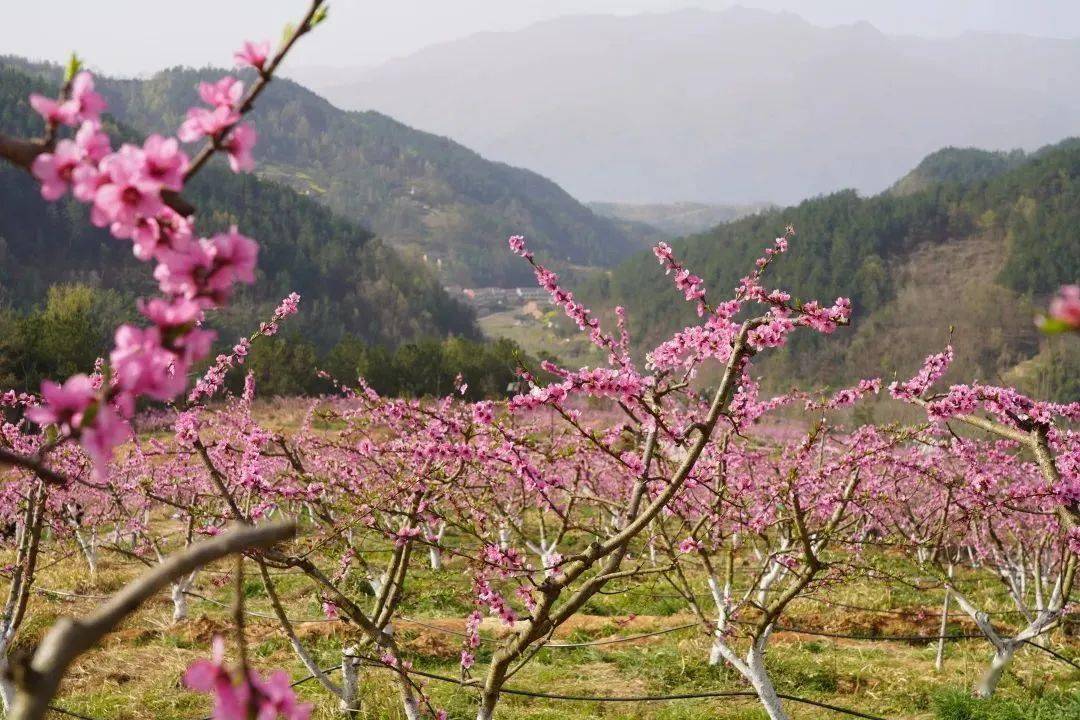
687	121
676	219
733	106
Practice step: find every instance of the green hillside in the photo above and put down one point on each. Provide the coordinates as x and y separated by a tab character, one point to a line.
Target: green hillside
351	282
421	193
978	256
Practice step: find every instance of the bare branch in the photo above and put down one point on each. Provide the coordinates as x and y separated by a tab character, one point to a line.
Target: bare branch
39	679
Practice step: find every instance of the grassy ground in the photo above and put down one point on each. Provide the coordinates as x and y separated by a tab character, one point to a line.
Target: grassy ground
137	673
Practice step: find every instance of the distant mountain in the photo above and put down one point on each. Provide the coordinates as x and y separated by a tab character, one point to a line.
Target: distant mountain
728	106
676	219
350	281
438	201
968	258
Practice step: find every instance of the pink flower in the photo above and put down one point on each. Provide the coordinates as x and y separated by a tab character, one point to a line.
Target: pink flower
86	181
211	676
85	103
165	162
143	367
105	432
55	170
825	320
234	257
252	54
187	428
169	230
180	272
483	412
201	122
664	255
64	404
128	194
276	698
51	110
289	306
329	608
205	675
690	545
82	104
170	316
1065	308
517	246
772	334
238	146
177	321
226	92
934	367
94	143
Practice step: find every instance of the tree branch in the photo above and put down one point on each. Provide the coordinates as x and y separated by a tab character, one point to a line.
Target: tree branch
39	679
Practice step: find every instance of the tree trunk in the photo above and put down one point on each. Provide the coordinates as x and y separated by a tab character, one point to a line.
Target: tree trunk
504	539
716	654
939	659
547	559
487	708
7	688
763	685
180	605
990	679
350	677
7	692
89	549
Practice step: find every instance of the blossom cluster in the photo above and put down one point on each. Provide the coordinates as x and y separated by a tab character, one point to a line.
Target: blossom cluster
214	378
690	284
934	367
127	190
847	397
714	338
574	310
472	639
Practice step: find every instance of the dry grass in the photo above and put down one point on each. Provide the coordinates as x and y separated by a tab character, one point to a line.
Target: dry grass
136	675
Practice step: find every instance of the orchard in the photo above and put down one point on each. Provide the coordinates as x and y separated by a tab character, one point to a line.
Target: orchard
358	555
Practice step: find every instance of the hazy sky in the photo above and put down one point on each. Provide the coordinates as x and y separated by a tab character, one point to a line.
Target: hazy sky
140	36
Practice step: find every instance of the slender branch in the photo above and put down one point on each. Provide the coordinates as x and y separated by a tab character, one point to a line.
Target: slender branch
27	462
265	76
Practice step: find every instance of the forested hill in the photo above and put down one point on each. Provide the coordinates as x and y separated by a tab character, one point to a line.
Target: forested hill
416	191
979	256
351	282
958	165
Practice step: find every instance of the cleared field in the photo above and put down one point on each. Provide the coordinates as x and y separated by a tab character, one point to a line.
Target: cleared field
137	674
529	327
